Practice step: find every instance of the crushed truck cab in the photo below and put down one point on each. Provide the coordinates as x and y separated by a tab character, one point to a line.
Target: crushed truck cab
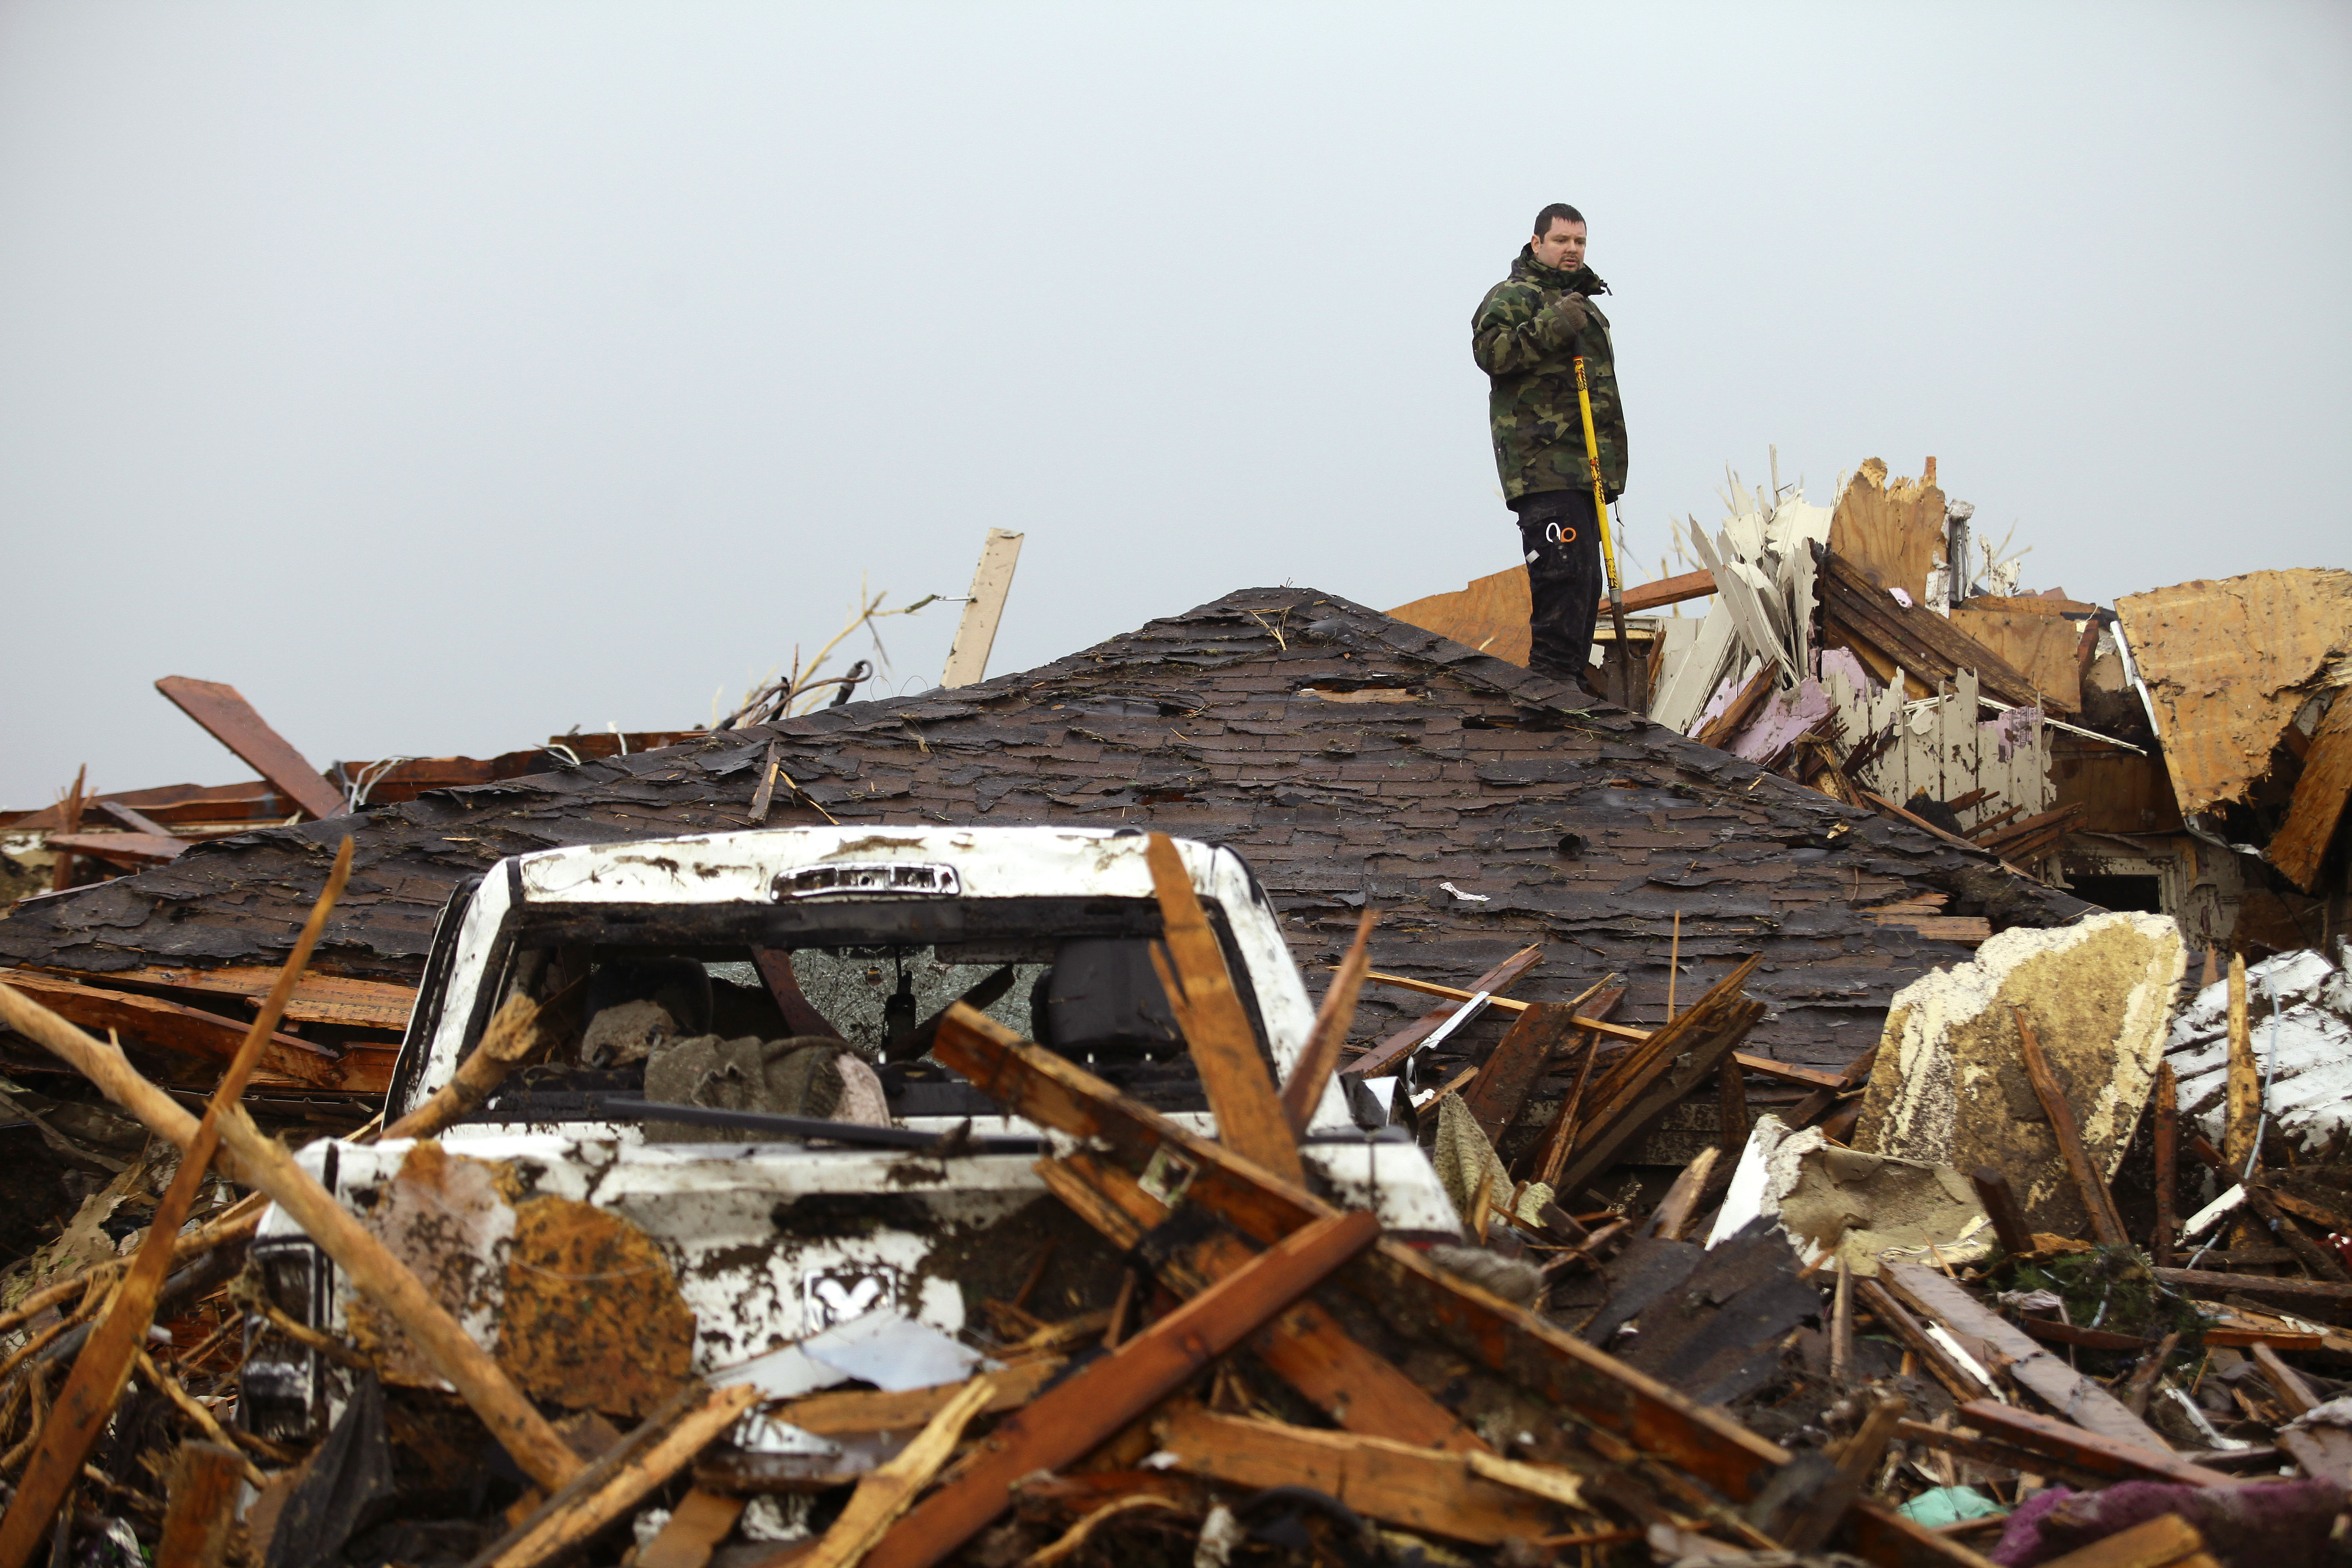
737	1029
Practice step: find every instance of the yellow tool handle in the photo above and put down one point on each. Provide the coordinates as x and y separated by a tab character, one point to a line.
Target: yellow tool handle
1593	465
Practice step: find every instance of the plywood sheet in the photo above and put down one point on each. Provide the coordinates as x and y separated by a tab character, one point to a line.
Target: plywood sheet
1892	530
2046	649
2228	664
1490	614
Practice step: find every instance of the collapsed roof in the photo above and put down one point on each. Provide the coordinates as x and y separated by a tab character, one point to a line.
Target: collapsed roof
1347	755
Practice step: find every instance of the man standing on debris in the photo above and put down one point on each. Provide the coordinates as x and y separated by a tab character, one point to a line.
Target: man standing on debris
1529	332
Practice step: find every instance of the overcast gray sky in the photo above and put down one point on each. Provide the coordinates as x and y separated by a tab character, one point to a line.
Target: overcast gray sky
444	376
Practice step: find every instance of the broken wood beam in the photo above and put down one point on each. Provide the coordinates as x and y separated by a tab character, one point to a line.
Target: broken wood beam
69	818
1070	1419
229	719
261	1161
2090	1405
1217	1026
1387	1053
1657	593
130	849
2310	1292
1518	1059
188	1031
2242	1113
1551	1152
1857	1460
511	1039
2165	1134
2301	844
1678	1058
200	1504
2098	1201
1302	1091
2000	1207
1397	1483
885	1495
1304	1345
1610	1400
594	1494
2116	1457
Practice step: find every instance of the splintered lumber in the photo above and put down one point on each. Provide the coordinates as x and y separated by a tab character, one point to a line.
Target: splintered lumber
1304	1345
132	849
1876	1532
1605	1399
1857	1460
2292	1391
886	1494
1397	1483
877	1410
2000	1207
511	1040
1216	1027
2301	843
85	1405
1662	1070
317	999
2166	1136
1304	1089
2083	1401
168	1026
1560	1139
699	1522
2099	1453
599	1492
261	1161
2310	1292
1385	1055
2242	1113
1070	1419
229	719
2098	1201
2168	1540
200	1503
1519	1058
1858	614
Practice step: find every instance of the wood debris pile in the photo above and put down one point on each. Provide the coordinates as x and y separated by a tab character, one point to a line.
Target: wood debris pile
1749	1360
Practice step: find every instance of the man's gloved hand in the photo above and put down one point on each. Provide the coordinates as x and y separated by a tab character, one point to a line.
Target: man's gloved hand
1563	318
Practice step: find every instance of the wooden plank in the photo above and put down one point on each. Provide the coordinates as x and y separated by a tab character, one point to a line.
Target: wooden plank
1519	1058
186	1031
1421	1300
1070	1419
616	1480
2243	1101
1880	1535
885	1495
701	1522
1303	1090
1550	1155
1304	1345
1216	1027
2311	1292
875	1410
2162	1542
123	816
2165	1134
200	1506
2300	844
1925	646
317	999
1385	1054
1681	1055
1857	1460
2100	1453
991	584
1397	1483
2088	1404
119	848
2098	1201
1892	530
2000	1207
229	719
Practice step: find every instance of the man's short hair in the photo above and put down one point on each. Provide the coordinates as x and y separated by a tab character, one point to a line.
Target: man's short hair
1558	210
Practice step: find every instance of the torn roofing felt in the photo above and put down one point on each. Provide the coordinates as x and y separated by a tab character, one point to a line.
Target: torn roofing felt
1420	763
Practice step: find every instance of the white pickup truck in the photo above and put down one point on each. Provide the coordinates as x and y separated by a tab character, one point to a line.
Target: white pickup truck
779	979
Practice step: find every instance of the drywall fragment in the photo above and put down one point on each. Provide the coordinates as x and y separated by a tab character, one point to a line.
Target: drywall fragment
1873	1208
1950	1087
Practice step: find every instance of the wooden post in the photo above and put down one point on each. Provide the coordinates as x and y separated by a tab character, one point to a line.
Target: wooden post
2000	1207
991	582
199	1505
2106	1224
2244	1104
1304	1089
2166	1135
1250	1117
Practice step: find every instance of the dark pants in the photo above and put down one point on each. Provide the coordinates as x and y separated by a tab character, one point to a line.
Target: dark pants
1561	542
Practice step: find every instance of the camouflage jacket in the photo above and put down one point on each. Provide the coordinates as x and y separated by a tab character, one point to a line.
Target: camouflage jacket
1528	330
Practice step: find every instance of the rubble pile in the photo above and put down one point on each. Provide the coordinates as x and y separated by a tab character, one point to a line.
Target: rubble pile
1770	1125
